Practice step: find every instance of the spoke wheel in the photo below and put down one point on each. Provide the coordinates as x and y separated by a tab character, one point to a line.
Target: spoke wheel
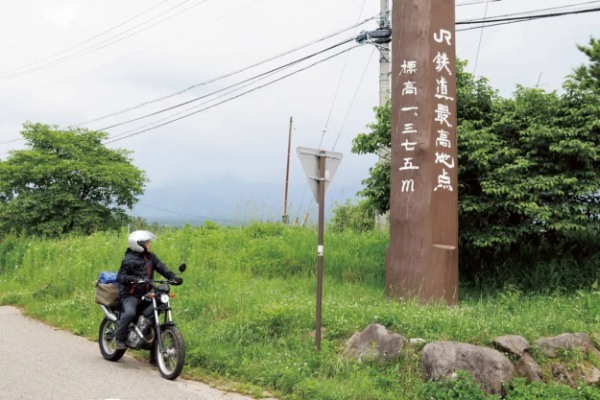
106	341
170	360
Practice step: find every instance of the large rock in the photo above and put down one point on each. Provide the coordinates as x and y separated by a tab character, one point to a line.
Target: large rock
550	346
562	375
375	342
489	367
513	344
528	368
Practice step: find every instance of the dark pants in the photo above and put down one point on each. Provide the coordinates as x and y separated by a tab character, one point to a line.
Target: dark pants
129	313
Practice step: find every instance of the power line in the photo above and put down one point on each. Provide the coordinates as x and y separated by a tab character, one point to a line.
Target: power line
487	3
82	42
234	97
520	17
199	217
228	87
353	98
102	44
338	85
227	75
474	2
495	20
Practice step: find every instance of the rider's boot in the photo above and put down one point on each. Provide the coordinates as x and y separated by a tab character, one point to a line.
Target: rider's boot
120	344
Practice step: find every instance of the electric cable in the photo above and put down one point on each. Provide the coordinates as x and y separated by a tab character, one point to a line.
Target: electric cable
518	17
235	89
228	87
324	131
103	44
234	97
199	217
344	121
83	41
475	2
227	75
487	3
353	99
338	85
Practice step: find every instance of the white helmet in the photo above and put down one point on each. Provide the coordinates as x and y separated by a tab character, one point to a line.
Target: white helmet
137	238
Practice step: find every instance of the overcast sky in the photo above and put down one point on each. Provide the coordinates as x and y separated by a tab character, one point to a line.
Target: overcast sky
68	62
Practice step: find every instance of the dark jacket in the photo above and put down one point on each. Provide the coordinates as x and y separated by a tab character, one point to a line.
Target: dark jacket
136	266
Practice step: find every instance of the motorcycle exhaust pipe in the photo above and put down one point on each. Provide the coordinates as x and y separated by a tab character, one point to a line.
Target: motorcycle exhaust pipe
109	314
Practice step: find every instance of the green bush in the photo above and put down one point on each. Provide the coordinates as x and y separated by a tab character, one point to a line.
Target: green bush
357	218
464	387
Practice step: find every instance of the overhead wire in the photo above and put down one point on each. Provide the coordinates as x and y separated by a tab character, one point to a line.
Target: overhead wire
234	97
487	3
353	99
83	41
338	86
458	23
526	16
496	20
199	217
227	75
106	42
228	87
475	2
324	131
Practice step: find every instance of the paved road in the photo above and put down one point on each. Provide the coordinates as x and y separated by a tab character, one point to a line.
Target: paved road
38	362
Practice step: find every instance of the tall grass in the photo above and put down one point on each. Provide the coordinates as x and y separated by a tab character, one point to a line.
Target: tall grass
247	306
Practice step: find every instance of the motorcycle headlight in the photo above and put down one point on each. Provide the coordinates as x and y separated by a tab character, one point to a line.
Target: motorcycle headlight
164	298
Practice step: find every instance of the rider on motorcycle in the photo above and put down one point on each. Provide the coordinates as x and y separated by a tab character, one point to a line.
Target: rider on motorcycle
138	264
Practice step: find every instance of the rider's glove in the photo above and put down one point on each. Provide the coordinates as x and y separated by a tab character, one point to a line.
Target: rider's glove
177	280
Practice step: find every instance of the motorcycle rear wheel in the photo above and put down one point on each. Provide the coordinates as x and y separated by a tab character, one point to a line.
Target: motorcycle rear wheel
106	341
170	360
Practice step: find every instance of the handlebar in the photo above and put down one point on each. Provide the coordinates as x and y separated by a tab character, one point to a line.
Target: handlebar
154	282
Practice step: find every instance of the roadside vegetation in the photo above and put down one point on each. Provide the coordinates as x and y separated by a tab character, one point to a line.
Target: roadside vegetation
247	307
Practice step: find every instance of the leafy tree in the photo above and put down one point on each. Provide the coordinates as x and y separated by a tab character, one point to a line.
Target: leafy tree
529	167
533	173
67	181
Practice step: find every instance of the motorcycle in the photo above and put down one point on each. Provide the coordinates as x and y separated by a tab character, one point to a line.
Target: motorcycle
164	340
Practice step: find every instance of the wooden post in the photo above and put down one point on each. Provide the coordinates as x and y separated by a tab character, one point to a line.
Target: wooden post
422	260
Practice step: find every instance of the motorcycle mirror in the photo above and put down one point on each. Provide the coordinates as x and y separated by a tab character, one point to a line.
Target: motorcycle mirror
182	267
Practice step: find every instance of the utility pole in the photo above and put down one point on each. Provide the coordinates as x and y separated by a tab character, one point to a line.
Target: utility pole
285	217
381	220
384	59
422	260
381	38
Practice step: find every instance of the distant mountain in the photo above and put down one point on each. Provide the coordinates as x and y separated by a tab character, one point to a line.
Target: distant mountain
231	202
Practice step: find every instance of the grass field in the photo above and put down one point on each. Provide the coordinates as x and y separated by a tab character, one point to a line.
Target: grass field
247	308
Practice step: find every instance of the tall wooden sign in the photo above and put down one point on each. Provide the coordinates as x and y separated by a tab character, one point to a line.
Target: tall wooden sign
422	260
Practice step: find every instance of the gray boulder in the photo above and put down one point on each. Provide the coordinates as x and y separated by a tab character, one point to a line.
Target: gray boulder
562	375
513	344
489	367
591	375
528	368
550	346
375	342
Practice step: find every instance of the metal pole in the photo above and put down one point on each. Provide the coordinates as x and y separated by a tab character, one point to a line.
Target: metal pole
287	175
321	159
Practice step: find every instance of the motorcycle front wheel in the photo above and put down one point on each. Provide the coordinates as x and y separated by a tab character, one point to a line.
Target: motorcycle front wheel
106	341
170	360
